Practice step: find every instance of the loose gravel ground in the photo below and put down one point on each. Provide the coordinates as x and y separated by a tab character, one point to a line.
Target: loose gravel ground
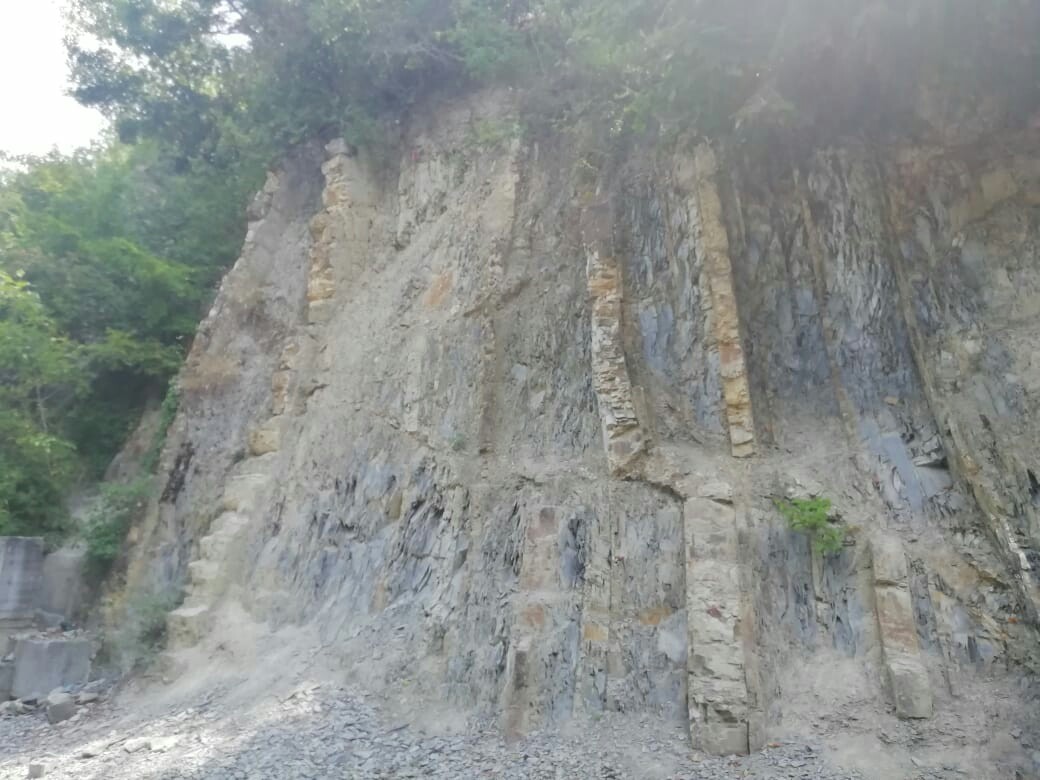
319	732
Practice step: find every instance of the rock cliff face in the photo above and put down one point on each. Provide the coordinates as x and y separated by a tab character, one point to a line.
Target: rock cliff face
507	434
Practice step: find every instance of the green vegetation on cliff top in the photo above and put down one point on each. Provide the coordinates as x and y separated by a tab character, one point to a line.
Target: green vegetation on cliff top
108	257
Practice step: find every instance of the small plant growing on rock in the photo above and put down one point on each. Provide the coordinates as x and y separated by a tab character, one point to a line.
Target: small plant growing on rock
812	516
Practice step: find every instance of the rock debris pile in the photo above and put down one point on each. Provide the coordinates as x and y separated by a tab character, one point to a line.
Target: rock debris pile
330	732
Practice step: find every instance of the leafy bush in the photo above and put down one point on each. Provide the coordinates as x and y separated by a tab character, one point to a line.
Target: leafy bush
812	516
109	520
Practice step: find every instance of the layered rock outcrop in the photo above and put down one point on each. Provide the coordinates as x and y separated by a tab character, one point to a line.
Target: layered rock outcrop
508	441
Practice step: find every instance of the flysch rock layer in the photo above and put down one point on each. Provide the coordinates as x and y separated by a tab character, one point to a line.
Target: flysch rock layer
501	444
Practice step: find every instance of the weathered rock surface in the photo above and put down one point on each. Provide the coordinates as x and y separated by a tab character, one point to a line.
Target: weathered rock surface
502	444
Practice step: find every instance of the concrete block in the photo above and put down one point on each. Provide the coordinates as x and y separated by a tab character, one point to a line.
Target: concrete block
42	665
62	588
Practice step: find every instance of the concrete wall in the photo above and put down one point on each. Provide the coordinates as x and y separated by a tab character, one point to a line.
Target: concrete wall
62	589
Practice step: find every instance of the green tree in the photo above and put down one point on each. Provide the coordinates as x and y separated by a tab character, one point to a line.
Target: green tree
72	229
40	377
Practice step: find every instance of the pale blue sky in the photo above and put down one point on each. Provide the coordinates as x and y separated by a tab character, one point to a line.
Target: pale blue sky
35	113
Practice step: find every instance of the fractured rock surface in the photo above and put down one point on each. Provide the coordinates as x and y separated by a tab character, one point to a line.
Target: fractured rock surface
512	443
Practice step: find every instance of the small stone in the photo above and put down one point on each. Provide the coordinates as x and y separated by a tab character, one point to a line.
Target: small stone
91	751
162	744
37	770
137	745
1016	732
87	697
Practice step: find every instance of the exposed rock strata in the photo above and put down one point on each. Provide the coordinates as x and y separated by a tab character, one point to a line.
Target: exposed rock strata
481	437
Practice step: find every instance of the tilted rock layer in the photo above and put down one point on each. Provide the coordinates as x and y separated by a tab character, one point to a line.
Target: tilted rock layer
510	440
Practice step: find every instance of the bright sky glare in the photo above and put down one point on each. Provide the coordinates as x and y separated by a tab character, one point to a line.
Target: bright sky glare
35	113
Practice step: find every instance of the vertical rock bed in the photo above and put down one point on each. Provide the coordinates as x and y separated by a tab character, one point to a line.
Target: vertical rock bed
490	435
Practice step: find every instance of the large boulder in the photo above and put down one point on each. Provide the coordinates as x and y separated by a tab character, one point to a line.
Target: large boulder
60	706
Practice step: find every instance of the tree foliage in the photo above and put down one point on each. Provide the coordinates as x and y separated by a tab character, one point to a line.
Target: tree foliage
107	257
101	286
813	516
270	72
38	377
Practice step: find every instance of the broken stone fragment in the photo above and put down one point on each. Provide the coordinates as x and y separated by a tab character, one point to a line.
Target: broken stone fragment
911	690
37	769
91	751
162	744
908	678
60	706
137	745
